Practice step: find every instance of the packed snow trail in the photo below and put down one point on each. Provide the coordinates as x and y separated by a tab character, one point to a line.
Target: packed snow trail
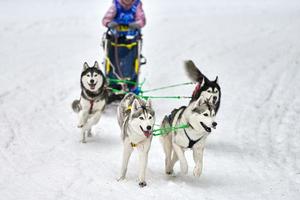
253	47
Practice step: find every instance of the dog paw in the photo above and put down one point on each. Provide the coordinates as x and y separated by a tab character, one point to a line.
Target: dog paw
169	172
197	171
80	125
83	141
121	178
142	184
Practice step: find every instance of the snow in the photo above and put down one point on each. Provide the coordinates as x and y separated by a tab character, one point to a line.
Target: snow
254	48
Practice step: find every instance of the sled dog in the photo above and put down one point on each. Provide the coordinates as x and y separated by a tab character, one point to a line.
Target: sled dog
205	88
93	99
136	118
199	116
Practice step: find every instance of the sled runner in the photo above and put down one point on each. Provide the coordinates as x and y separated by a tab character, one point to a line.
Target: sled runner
123	59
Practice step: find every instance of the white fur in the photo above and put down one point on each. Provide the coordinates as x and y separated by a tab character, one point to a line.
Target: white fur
135	135
87	120
175	144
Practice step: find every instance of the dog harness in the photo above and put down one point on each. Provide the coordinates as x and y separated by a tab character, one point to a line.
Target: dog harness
91	107
123	16
173	122
191	142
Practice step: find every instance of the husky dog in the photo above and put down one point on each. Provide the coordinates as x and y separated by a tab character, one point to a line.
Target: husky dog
93	98
136	119
199	116
208	89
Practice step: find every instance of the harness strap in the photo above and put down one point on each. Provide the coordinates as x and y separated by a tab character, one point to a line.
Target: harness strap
91	107
191	142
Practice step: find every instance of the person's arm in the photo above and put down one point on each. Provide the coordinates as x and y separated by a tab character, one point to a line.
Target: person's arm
109	16
140	18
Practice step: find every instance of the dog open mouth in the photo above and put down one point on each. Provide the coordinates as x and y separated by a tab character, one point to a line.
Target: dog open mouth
146	133
92	85
206	128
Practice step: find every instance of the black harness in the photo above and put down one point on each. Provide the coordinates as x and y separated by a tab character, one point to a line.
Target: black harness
191	142
171	119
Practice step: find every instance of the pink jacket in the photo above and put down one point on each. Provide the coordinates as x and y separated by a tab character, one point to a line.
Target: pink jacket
111	13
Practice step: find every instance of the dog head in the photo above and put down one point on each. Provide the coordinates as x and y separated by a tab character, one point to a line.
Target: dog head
201	115
142	117
92	78
209	90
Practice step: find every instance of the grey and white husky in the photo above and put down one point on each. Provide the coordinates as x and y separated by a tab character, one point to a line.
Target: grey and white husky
93	99
136	119
199	116
209	90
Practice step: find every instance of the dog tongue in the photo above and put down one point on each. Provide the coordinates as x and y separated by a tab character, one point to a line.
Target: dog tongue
147	133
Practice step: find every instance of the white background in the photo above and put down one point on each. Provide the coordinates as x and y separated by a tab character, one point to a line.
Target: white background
254	48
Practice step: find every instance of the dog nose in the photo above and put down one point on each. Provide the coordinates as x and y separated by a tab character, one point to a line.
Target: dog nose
215	98
214	123
148	128
92	81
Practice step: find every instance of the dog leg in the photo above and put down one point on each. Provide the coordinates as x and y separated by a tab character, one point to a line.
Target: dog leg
167	145
83	117
174	159
126	155
183	163
83	135
143	159
92	121
89	133
198	158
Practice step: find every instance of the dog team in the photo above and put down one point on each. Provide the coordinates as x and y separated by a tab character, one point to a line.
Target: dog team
136	118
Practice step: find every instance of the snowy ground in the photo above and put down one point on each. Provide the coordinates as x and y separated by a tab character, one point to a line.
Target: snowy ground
253	46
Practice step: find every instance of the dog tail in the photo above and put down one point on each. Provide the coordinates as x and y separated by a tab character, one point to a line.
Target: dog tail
192	71
76	106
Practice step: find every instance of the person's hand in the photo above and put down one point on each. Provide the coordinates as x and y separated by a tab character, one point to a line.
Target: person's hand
112	25
134	25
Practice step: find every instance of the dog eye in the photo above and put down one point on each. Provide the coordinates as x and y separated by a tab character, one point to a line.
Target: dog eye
150	117
88	75
95	75
205	114
141	118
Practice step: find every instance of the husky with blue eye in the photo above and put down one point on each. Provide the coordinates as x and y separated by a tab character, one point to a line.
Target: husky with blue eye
136	118
199	117
93	99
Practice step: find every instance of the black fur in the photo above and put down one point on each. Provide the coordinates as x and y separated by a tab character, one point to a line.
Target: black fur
102	91
196	76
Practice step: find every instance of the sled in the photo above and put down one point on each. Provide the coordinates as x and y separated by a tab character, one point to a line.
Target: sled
123	59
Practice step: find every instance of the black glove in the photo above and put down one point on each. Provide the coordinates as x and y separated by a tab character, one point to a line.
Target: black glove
134	25
112	25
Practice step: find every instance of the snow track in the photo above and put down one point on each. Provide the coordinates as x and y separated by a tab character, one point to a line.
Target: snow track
253	46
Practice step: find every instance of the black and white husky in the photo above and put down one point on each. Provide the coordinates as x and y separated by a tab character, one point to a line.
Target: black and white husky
93	98
199	116
136	119
209	90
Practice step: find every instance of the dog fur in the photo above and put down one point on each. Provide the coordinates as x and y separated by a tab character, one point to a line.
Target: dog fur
209	90
199	115
136	119
93	99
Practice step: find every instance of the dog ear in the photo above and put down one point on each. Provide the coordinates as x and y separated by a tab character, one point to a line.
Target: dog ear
149	103
85	66
217	80
192	71
135	105
96	65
